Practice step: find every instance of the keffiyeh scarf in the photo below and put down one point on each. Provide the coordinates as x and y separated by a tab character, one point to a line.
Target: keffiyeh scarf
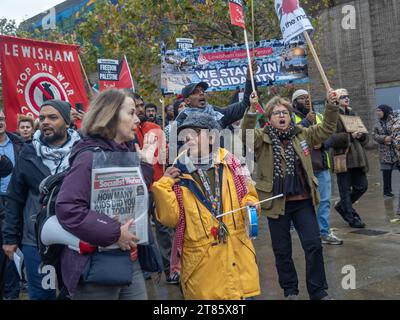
56	159
286	182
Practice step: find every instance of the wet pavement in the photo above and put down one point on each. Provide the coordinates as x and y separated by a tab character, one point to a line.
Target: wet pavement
375	255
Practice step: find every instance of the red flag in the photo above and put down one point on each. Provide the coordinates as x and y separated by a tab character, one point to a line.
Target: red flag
114	75
236	11
35	71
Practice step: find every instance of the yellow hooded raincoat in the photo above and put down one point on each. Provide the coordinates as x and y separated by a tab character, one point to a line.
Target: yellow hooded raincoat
212	270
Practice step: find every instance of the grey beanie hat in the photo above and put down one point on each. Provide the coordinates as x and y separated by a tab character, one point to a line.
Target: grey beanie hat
199	119
63	107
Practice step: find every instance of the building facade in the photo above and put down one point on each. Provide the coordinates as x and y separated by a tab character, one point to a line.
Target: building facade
363	58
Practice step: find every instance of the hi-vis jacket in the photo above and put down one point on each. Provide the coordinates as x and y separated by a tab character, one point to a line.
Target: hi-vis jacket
320	157
211	270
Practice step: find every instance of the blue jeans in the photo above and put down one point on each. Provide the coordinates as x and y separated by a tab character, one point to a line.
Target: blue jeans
324	209
32	263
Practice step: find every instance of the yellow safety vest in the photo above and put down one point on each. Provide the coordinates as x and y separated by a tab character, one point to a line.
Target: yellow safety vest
319	118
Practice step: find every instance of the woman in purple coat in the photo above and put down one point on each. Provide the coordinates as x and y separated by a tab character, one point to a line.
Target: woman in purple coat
109	125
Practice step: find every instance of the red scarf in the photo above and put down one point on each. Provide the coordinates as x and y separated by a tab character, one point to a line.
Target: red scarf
240	181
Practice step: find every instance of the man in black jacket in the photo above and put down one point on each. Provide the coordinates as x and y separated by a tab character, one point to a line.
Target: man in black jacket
47	154
10	146
6	168
196	100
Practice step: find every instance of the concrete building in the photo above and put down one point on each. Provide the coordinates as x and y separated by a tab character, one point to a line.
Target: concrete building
366	59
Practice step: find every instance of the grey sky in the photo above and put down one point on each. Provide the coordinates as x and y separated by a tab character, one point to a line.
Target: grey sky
20	10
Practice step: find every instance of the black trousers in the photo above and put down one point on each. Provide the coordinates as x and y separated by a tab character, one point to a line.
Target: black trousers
302	213
3	267
352	185
164	236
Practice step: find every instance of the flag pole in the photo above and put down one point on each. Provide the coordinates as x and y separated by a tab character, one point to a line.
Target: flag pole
86	77
130	74
162	152
252	22
317	61
249	59
309	96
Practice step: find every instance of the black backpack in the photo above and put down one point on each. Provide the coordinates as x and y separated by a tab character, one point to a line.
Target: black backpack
49	189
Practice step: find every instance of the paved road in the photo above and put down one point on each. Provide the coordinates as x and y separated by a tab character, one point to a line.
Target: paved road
374	257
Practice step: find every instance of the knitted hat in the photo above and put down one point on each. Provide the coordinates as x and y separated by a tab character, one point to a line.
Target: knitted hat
299	93
6	166
63	107
198	119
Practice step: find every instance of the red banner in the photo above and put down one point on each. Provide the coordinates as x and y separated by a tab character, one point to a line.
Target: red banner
114	76
35	71
236	11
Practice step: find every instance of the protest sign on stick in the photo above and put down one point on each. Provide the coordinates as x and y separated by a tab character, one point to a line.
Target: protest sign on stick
237	19
294	22
114	74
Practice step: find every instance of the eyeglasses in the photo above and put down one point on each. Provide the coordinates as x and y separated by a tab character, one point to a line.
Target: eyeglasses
343	97
283	112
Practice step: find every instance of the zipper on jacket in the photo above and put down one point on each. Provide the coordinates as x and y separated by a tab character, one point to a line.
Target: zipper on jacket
230	196
198	211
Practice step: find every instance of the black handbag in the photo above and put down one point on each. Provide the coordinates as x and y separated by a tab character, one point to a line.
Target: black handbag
109	268
149	255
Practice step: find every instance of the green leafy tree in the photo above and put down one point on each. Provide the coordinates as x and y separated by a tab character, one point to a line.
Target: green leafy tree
136	28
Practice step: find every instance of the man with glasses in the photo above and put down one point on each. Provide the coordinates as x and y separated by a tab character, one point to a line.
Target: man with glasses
10	146
304	115
195	99
353	183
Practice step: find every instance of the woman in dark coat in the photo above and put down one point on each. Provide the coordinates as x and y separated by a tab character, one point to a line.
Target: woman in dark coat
109	125
387	154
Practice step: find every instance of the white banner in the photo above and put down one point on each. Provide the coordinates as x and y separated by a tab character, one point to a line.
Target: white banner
292	18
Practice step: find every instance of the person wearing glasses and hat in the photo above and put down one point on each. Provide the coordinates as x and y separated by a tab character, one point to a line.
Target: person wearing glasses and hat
217	258
353	183
195	99
284	167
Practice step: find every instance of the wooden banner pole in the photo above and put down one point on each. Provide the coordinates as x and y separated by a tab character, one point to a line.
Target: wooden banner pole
317	61
86	77
249	59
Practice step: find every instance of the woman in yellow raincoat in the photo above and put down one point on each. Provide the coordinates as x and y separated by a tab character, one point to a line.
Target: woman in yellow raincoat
218	260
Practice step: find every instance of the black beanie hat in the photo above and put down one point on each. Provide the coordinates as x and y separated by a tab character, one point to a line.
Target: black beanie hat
63	107
6	166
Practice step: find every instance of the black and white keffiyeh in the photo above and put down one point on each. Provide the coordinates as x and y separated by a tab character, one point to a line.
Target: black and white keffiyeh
286	182
56	159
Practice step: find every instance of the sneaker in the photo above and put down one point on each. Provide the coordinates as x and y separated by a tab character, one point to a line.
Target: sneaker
146	275
389	194
292	297
174	278
327	297
331	239
358	224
